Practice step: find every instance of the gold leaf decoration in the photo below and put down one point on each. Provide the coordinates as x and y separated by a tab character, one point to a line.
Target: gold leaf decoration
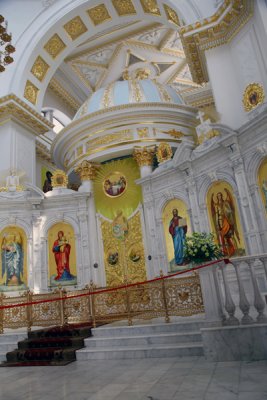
54	46
253	96
150	7
31	92
40	68
75	28
124	7
99	14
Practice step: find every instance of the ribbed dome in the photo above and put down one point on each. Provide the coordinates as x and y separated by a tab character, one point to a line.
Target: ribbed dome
129	92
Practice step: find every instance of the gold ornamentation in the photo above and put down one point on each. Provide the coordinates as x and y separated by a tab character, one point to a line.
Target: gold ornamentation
124	7
31	92
163	92
11	107
142	73
87	170
40	68
253	96
212	32
174	133
150	7
209	135
118	264
171	14
99	14
107	96
59	179
79	151
63	94
113	137
164	152
144	155
75	28
143	132
136	91
54	46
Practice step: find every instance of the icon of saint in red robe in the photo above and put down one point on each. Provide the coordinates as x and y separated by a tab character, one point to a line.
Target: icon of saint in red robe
61	250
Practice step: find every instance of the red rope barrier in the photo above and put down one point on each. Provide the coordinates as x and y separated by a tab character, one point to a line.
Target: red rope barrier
226	261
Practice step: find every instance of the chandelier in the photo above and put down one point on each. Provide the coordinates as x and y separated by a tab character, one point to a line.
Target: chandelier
6	48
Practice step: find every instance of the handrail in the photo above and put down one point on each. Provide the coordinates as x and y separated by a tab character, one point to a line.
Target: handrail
112	289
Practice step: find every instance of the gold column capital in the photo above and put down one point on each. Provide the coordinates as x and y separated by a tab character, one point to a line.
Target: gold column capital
87	170
144	155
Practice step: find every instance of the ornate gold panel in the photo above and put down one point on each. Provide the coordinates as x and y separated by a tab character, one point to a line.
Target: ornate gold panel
75	28
143	132
150	7
31	92
54	46
253	96
171	14
40	68
99	14
113	137
124	7
124	258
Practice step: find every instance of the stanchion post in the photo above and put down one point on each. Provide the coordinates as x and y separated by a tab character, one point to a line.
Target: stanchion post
167	317
92	303
29	310
128	304
1	313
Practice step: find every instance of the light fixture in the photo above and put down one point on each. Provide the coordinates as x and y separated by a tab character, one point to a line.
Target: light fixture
6	48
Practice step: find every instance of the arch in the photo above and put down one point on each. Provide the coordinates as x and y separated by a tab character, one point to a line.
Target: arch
20	223
253	166
171	195
57	219
52	36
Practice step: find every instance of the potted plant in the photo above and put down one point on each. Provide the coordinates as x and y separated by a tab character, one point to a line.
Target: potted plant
200	248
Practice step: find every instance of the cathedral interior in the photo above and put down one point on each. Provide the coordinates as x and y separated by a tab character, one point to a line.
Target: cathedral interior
133	170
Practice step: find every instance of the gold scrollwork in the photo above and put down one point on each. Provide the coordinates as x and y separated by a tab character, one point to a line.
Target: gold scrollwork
144	155
164	152
40	68
99	14
87	170
59	179
54	46
171	14
31	92
150	6
75	28
124	7
253	96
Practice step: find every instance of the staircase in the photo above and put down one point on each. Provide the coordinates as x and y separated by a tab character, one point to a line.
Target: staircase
181	339
53	346
8	342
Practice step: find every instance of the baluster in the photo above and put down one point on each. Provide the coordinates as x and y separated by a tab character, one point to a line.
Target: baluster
259	303
243	300
219	294
229	303
264	263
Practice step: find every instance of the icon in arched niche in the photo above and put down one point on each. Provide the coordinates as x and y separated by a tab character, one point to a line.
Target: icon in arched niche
262	179
224	219
13	243
176	225
114	184
62	255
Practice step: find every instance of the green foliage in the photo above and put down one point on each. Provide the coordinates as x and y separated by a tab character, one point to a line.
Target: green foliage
201	247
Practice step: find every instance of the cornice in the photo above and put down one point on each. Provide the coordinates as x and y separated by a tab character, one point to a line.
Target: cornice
63	94
212	32
13	108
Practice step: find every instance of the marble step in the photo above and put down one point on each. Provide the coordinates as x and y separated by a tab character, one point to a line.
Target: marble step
107	331
131	352
142	340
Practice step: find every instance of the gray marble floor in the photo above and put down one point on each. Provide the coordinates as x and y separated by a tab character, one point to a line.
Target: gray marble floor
143	379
